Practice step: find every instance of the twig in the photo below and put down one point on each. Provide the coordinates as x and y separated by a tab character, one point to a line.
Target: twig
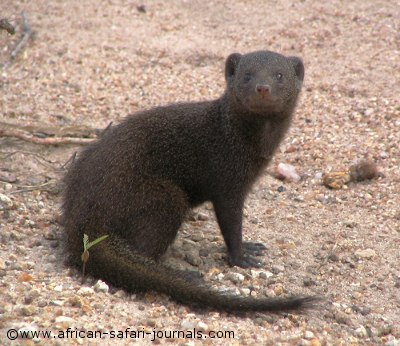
7	26
25	152
27	33
45	130
40	159
26	188
71	160
106	129
26	136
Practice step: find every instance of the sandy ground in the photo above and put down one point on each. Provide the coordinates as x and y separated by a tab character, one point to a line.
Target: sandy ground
90	63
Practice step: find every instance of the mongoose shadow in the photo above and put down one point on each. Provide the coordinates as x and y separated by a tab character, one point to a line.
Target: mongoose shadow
138	181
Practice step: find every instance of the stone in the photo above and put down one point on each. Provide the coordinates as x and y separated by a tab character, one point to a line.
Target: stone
276	268
85	291
361	332
235	277
308	335
101	286
64	321
5	202
365	254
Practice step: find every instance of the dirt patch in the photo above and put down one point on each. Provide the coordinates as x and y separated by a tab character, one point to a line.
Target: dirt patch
89	64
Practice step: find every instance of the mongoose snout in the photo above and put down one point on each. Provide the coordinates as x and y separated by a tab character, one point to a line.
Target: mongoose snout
263	89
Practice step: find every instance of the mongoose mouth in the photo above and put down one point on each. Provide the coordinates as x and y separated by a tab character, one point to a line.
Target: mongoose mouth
263	105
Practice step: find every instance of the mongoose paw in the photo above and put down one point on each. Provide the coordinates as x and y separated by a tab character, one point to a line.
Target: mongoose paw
245	261
254	248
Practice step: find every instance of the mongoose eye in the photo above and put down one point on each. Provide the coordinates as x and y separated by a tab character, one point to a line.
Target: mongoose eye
247	77
279	76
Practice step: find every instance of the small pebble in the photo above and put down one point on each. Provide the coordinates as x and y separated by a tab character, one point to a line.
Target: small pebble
368	112
101	286
365	254
202	326
28	310
198	237
393	342
8	187
364	170
85	291
361	332
287	171
28	300
193	258
58	288
269	292
276	268
188	324
365	311
220	276
5	202
64	321
30	265
278	289
385	330
75	301
318	175
235	277
265	275
202	217
315	342
51	234
56	302
245	291
308	335
342	318
397	283
42	303
307	282
151	323
120	294
52	258
333	257
141	8
204	252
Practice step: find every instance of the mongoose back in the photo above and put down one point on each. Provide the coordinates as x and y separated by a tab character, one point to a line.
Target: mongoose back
138	181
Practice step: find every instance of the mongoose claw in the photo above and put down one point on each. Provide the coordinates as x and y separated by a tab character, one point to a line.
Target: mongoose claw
247	261
254	248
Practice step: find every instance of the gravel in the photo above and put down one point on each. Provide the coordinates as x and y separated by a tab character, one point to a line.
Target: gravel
88	65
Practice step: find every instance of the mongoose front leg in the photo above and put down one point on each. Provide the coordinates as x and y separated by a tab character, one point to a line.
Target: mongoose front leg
229	215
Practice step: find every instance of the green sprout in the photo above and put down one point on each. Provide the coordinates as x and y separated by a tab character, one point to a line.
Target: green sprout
86	246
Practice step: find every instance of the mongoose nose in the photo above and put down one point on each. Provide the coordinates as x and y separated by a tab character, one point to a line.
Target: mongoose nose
263	89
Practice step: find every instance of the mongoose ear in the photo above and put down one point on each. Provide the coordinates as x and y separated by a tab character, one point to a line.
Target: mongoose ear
231	64
298	66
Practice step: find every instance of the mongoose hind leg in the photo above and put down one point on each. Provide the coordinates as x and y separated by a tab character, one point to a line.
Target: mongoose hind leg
157	218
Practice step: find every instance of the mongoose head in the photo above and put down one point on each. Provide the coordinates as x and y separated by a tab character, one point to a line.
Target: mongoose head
264	82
